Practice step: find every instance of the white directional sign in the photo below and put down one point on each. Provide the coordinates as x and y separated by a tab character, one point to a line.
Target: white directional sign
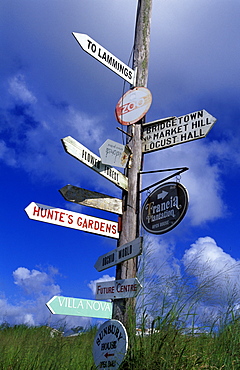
84	155
91	199
120	254
114	153
110	345
73	220
79	307
105	57
171	131
117	289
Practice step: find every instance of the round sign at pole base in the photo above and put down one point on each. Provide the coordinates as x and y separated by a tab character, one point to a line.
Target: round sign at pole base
110	345
164	208
133	105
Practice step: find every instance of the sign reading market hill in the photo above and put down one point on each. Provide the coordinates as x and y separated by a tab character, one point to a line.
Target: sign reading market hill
164	208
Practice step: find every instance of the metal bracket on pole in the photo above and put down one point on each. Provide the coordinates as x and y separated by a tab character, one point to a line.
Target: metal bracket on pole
126	133
179	170
135	77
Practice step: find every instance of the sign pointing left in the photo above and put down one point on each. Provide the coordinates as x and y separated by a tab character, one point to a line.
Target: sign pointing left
73	220
91	199
120	254
84	155
105	57
79	307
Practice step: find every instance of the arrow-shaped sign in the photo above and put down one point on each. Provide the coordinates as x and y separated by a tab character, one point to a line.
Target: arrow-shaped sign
120	254
79	307
84	155
117	289
73	220
105	57
91	199
171	131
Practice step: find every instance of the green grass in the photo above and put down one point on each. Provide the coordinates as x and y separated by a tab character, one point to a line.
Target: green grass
30	348
181	337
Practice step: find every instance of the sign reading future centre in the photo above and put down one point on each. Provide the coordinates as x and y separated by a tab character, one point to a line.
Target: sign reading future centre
164	208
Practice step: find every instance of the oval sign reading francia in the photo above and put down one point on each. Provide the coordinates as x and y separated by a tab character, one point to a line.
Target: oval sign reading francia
133	105
164	208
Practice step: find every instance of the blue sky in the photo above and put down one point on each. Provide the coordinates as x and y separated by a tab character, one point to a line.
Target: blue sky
50	88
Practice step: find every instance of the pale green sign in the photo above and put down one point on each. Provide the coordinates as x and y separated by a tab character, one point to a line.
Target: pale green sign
80	307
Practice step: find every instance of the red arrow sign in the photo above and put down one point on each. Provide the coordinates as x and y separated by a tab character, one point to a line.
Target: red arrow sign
108	354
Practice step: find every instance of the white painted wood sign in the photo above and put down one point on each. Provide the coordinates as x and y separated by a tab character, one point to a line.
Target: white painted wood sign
171	131
105	57
110	345
84	155
73	220
114	153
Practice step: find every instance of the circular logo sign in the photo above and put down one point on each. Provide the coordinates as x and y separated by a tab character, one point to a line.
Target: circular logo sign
110	345
164	208
133	105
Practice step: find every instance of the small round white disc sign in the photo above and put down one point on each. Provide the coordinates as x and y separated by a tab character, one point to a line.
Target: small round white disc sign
110	345
133	105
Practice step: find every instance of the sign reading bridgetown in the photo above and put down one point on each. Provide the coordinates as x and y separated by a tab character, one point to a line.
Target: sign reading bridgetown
73	220
79	307
84	155
110	345
171	131
105	57
164	208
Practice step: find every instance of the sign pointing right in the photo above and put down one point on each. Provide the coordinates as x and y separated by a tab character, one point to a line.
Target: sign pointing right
171	131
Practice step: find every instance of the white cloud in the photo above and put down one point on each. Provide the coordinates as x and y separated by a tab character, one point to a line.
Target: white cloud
216	272
35	282
158	257
38	287
204	283
32	137
8	155
202	180
19	90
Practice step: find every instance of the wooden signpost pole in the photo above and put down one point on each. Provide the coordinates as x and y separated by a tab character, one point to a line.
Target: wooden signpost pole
131	199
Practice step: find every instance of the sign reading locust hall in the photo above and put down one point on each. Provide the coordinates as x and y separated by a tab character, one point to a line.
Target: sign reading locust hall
164	208
171	131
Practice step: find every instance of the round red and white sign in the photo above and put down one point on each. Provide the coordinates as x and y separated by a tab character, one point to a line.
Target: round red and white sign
110	345
133	105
